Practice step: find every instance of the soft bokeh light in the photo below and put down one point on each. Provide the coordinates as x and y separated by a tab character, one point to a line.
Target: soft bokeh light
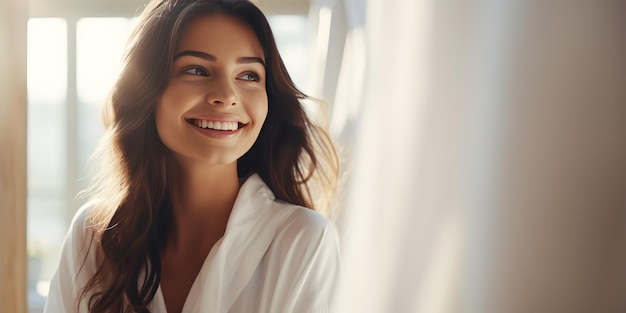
99	47
47	60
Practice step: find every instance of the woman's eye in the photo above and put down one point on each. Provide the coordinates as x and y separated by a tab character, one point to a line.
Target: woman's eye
197	71
253	77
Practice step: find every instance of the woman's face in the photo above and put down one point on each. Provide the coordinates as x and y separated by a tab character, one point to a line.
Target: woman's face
216	102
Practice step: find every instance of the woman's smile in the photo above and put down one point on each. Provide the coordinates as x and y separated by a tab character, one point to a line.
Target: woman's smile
216	125
218	129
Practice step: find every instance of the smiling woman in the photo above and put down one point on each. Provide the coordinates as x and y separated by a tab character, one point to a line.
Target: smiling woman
204	201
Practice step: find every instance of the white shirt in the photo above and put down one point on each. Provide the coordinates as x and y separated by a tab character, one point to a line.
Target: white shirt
273	257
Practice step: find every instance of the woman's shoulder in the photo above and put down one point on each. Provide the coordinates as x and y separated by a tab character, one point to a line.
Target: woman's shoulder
306	219
76	264
81	224
78	223
82	231
291	218
295	228
304	228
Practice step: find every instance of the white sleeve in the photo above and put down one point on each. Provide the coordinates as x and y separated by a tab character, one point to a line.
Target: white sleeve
310	261
74	269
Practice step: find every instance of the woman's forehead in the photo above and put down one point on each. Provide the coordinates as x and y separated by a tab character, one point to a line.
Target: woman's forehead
220	35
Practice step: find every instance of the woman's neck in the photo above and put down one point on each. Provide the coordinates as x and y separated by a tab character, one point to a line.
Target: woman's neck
202	200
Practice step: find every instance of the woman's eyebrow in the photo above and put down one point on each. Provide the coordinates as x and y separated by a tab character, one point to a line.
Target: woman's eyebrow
197	54
212	58
247	60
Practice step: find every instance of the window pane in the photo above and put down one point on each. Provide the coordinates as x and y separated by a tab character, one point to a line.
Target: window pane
100	45
291	33
46	140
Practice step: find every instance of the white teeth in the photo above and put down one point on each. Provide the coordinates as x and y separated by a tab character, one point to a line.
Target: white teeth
217	125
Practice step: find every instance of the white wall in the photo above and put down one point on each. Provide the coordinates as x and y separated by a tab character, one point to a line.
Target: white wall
560	221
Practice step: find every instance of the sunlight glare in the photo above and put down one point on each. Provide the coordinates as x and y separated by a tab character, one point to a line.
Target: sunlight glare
99	47
47	60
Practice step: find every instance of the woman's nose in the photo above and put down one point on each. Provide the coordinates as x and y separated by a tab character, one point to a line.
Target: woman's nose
222	93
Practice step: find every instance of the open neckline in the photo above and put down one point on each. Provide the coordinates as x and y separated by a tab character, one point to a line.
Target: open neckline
193	293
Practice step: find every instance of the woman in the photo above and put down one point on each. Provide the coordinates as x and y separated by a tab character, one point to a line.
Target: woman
200	205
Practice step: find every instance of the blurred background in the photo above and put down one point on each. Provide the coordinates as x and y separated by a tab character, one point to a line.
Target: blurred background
483	143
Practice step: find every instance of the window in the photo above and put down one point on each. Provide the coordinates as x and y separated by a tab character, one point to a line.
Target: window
46	141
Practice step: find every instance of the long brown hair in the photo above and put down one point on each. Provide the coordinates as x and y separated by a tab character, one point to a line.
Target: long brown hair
130	194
